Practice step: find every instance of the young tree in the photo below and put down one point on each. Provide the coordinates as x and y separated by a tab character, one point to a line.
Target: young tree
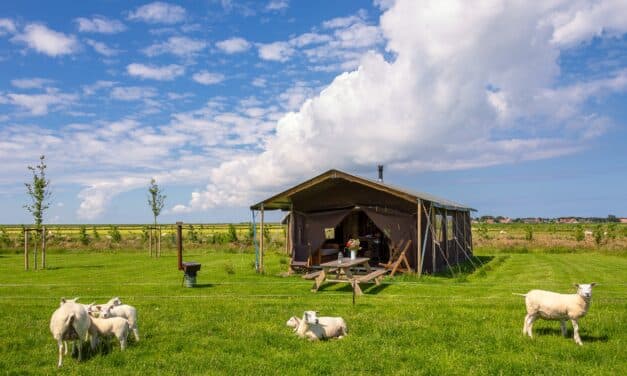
156	199
38	191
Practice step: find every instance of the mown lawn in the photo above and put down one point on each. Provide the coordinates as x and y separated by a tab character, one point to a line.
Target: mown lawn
234	322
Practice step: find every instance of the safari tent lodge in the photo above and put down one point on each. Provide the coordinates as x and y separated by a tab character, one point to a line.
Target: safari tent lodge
327	210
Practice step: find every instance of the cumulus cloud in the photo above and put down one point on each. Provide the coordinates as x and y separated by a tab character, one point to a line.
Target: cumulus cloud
581	21
274	5
277	51
208	78
99	24
233	45
159	12
160	73
46	41
454	95
31	83
179	46
7	26
132	93
102	48
40	104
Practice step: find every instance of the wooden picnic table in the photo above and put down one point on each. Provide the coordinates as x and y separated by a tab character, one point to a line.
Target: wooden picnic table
343	271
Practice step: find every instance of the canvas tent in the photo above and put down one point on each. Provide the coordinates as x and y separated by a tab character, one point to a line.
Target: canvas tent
333	206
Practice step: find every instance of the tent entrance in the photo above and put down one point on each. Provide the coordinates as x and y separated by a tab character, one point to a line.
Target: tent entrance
357	225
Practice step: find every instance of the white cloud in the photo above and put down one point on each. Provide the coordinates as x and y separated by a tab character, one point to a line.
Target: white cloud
259	82
180	46
427	108
132	93
159	12
277	5
102	48
7	26
163	73
343	22
99	24
44	40
96	86
31	83
588	19
39	104
233	45
277	51
208	78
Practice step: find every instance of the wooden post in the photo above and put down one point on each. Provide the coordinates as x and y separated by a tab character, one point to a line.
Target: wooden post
43	248
158	245
433	240
179	244
150	230
26	250
35	252
261	241
419	238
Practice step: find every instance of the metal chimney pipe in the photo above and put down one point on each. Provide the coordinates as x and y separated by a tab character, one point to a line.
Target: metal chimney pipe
380	167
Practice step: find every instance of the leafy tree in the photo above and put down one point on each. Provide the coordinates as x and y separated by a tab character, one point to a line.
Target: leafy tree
611	230
82	235
115	234
528	233
192	235
39	192
95	233
156	199
482	230
598	234
232	233
579	234
5	241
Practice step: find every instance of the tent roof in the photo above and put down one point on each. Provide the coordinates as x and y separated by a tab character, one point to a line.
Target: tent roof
283	200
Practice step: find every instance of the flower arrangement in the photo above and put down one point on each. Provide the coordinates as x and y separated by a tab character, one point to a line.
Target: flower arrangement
352	244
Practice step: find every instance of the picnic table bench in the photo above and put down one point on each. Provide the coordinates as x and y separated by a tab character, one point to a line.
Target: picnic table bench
342	271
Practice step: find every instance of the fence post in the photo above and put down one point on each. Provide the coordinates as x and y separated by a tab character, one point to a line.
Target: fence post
25	250
43	247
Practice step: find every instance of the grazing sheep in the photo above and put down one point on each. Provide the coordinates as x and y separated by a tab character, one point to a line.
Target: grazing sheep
315	328
69	322
116	326
125	311
553	306
293	322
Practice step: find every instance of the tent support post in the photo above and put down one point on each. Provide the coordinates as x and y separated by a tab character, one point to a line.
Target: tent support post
419	238
261	242
433	238
255	243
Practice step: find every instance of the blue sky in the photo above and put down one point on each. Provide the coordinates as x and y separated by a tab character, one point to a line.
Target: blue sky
517	111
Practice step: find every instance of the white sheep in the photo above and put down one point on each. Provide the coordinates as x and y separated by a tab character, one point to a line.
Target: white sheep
554	306
315	328
125	311
113	326
69	322
293	322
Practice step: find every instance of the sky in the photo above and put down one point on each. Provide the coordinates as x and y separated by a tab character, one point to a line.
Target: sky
514	108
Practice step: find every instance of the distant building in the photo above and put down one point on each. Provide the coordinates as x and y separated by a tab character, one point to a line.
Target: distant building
505	220
622	220
568	220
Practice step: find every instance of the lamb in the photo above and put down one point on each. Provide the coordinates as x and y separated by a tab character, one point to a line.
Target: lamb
315	328
125	311
69	322
293	322
116	326
553	306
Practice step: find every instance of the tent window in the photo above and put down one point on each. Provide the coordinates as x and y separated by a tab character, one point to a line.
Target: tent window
438	227
450	234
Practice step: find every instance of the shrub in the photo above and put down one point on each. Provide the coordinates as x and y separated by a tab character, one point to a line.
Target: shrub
482	231
232	233
82	235
598	234
192	235
4	238
579	234
611	230
528	233
95	233
115	234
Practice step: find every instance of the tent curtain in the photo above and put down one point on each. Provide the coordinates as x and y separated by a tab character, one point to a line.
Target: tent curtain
396	226
309	230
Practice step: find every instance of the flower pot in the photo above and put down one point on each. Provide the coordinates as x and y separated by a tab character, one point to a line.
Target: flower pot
353	255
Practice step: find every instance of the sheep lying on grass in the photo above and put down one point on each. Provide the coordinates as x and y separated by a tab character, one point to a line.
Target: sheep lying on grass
315	328
293	322
553	306
114	326
69	322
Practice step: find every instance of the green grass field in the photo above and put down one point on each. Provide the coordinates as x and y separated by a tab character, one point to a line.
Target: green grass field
234	321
